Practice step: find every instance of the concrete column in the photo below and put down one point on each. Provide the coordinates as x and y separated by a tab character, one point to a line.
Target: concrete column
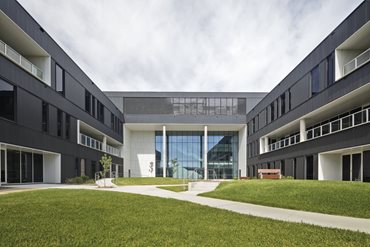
302	130
164	151
242	161
104	144
262	145
78	132
205	159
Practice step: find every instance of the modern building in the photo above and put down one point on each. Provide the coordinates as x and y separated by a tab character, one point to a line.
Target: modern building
55	123
196	135
315	123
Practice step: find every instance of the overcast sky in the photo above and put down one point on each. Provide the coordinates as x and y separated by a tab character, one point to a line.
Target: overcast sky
185	45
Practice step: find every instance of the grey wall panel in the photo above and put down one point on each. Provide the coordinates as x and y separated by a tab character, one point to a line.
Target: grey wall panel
74	91
300	91
289	163
300	166
28	110
315	166
185	119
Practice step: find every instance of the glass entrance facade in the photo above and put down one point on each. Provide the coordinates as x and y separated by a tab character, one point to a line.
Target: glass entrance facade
185	154
21	167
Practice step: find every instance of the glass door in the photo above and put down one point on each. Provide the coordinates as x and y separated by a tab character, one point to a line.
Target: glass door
346	167
356	167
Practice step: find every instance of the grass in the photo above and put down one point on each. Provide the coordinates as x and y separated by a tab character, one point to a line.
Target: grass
58	217
175	188
149	181
340	198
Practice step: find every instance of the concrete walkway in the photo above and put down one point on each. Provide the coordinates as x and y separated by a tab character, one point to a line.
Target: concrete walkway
325	220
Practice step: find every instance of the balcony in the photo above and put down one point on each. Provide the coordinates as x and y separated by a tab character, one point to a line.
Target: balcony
286	142
350	121
10	53
90	142
356	62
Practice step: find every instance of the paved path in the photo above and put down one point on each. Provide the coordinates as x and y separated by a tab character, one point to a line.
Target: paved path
325	220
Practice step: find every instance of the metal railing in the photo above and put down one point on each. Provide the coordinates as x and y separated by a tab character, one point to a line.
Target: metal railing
20	60
113	150
356	62
91	142
98	145
288	141
349	121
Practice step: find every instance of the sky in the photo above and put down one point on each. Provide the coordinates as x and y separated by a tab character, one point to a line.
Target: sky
188	45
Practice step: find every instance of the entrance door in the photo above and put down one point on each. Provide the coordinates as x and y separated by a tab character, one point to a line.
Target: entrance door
309	167
26	167
356	167
346	167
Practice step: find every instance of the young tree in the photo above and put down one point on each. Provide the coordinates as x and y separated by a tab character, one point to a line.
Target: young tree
106	162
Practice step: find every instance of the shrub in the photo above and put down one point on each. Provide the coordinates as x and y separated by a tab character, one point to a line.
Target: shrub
287	177
79	180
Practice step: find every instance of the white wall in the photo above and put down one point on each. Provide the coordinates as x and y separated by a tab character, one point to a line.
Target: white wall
342	57
52	168
330	167
141	152
126	150
242	153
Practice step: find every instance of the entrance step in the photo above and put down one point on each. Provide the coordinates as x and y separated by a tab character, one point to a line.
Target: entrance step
203	186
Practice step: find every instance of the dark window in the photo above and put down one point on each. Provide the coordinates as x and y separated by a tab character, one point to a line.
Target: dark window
331	69
38	168
92	106
87	101
112	121
68	126
7	100
59	122
100	108
282	104
45	117
289	99
315	81
59	79
272	108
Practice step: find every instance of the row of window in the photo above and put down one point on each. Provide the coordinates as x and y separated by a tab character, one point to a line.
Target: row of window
283	103
209	106
253	149
61	123
7	100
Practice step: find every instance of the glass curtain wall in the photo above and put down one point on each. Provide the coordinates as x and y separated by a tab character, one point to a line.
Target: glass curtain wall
185	154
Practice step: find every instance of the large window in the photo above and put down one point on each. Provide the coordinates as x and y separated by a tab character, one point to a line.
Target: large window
68	126
7	100
45	117
59	122
331	69
315	81
87	101
59	79
282	104
100	111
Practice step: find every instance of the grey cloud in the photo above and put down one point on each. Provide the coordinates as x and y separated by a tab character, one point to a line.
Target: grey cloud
200	45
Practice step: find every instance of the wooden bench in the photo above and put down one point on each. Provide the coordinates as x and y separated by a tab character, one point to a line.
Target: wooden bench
269	173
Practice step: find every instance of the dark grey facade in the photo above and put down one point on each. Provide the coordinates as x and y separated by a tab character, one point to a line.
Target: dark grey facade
48	111
319	110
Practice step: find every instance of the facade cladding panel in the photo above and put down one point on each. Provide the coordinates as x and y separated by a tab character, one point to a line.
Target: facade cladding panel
317	81
25	132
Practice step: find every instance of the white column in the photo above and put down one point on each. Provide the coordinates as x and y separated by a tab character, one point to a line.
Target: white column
164	151
242	161
262	145
104	144
205	160
78	132
302	130
266	144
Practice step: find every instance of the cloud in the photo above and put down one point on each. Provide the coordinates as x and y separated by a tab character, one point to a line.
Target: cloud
195	45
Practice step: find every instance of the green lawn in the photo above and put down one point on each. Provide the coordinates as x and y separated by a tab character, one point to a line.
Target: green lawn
58	217
149	181
341	198
175	188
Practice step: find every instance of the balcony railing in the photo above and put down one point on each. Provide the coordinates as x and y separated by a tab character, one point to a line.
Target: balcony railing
350	121
286	142
98	145
113	151
356	62
91	142
20	60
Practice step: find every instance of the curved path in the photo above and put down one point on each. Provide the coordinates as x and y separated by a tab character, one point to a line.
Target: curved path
325	220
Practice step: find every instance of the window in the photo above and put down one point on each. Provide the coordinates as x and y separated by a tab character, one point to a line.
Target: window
100	108
331	70
7	100
92	106
68	126
59	122
45	117
87	101
272	108
282	104
289	99
315	81
112	121
59	79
